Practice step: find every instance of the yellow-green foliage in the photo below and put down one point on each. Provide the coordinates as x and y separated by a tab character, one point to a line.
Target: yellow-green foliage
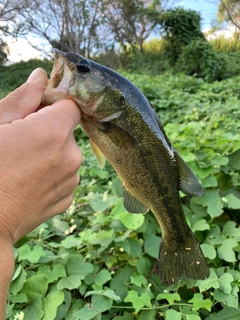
153	45
226	44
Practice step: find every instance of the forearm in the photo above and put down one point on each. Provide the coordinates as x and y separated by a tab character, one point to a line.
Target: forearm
6	271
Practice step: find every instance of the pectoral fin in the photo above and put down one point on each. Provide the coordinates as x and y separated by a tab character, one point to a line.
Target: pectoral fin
118	136
188	183
110	117
132	204
98	155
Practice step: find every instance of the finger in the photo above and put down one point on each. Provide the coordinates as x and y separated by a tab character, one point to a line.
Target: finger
25	99
66	112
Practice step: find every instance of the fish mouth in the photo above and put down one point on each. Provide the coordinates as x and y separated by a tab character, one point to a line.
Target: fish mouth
61	79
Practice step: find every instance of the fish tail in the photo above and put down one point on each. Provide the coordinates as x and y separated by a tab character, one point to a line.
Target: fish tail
182	259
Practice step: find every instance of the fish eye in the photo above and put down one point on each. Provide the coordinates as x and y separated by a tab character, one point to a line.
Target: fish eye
83	66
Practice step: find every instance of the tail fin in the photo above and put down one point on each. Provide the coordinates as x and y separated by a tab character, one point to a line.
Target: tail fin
181	259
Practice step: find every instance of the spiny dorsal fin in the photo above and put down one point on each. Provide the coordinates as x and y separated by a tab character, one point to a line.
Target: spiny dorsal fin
98	154
132	204
188	182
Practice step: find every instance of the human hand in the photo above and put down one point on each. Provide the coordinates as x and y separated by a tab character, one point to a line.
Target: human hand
39	160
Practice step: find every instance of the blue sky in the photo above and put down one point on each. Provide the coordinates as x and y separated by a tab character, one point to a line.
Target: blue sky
207	9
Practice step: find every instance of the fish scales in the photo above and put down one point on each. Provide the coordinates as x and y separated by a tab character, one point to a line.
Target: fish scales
124	128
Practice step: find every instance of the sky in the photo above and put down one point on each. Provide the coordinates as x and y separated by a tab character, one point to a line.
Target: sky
206	8
21	50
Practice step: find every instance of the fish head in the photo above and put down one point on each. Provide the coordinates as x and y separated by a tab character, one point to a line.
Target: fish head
84	81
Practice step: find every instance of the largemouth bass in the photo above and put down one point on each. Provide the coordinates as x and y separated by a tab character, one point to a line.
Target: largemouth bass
124	128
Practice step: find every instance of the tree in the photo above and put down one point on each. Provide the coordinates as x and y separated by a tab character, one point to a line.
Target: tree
229	10
8	9
132	21
179	27
69	25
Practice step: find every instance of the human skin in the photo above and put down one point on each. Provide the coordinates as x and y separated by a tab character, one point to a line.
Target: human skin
39	162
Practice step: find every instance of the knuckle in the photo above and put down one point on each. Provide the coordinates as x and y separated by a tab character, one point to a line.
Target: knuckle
66	202
75	157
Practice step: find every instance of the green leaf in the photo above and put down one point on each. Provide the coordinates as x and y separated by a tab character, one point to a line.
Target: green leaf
51	303
228	313
225	283
208	251
25	253
170	297
132	221
230	230
102	277
137	301
120	281
75	307
70	242
219	161
173	315
117	187
104	237
34	310
232	201
225	250
139	280
230	300
190	314
71	282
211	282
212	200
19	298
101	303
52	274
152	244
148	315
200	225
132	247
198	302
110	294
35	286
17	284
210	182
76	266
86	313
143	266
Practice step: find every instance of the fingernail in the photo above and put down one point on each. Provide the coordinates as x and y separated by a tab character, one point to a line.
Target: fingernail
33	76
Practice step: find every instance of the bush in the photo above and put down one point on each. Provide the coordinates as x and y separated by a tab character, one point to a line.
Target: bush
180	27
200	60
14	75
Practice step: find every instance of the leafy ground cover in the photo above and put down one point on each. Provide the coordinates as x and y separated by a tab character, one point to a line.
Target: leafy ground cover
96	261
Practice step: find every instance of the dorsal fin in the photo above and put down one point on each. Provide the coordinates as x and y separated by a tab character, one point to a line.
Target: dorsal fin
132	204
188	182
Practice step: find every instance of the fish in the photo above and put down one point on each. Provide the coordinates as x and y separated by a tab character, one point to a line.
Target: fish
124	128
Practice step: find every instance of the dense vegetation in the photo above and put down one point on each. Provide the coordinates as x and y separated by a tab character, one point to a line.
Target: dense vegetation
96	260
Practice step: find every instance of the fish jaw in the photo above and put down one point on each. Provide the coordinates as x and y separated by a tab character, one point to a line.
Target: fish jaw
61	80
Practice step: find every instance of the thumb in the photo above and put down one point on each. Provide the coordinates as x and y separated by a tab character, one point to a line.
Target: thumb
25	99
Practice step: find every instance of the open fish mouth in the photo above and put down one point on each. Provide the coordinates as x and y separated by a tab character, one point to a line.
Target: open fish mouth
61	79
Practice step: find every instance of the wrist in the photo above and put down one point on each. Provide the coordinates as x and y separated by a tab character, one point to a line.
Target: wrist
6	272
